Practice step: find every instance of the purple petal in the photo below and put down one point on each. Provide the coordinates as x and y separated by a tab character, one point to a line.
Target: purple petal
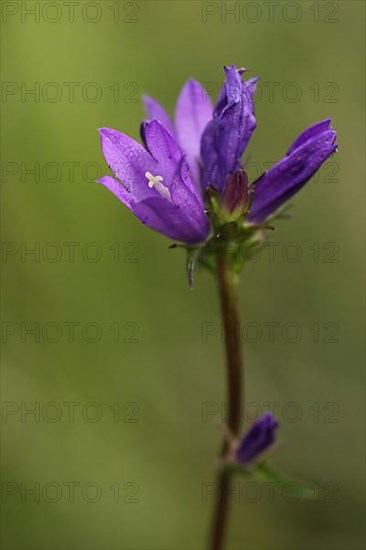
161	144
185	223
166	151
227	135
189	199
288	176
252	85
192	114
190	221
258	439
183	218
309	133
155	110
117	189
128	160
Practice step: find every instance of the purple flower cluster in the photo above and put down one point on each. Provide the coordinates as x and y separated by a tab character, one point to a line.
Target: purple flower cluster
164	182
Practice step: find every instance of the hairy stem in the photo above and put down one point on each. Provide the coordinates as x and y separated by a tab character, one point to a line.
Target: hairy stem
228	290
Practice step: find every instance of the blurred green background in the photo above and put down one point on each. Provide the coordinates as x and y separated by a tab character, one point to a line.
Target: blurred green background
139	391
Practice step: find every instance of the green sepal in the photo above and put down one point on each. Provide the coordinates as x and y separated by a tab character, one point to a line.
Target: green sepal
192	254
191	262
232	238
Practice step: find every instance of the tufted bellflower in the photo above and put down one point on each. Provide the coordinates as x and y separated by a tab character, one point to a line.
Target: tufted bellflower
165	181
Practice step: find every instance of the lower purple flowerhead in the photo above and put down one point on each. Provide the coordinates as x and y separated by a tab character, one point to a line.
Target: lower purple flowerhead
259	437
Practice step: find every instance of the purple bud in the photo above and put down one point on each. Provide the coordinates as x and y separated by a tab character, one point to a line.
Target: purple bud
289	175
235	195
226	136
258	439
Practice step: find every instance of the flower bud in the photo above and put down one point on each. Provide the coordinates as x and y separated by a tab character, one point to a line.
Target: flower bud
258	439
235	196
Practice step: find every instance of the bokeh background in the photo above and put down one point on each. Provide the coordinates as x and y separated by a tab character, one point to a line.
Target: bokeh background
144	381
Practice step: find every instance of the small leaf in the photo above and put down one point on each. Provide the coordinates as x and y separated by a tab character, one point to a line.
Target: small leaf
265	473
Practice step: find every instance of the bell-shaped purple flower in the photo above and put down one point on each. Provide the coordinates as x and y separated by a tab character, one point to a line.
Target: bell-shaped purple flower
227	135
258	439
288	176
155	182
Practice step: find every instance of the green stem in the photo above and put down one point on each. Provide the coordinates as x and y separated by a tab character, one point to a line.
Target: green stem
228	290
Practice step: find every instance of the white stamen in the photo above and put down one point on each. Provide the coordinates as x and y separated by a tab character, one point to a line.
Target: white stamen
155	181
